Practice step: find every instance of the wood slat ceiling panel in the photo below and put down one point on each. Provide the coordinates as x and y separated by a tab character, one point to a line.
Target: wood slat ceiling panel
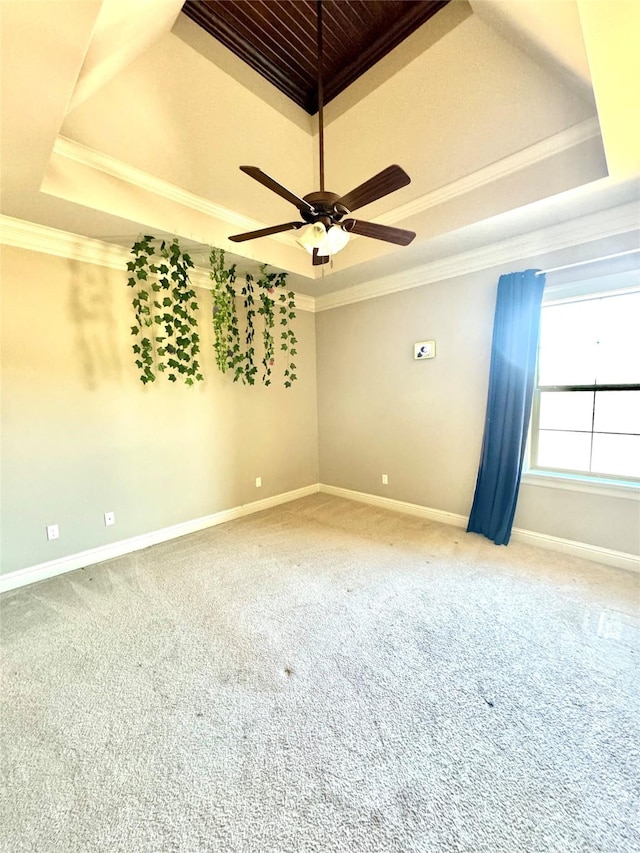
278	37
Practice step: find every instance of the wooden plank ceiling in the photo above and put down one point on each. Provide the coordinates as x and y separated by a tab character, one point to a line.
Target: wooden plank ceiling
278	38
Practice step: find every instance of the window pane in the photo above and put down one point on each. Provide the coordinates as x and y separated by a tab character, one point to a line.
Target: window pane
566	410
585	342
568	450
617	411
618	358
568	344
616	454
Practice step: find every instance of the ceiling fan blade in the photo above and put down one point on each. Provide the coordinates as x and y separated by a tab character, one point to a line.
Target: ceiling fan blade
274	186
385	182
378	232
319	259
264	232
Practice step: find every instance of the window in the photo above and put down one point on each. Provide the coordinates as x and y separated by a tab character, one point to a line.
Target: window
586	407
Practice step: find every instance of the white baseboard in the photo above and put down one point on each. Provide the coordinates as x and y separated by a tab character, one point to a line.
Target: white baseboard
397	506
607	556
42	571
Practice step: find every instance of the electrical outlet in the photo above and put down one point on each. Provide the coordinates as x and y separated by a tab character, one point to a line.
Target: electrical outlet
258	482
385	480
53	532
109	518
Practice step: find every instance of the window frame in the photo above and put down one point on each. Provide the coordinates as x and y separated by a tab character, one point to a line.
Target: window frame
614	484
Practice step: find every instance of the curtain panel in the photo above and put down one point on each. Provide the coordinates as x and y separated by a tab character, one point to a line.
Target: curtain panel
514	349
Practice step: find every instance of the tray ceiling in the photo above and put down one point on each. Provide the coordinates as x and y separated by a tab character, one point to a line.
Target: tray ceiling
486	125
278	38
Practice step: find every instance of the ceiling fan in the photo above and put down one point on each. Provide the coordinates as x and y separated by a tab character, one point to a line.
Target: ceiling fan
325	229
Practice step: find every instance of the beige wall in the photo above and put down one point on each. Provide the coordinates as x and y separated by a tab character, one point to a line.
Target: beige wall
82	436
382	412
609	522
421	422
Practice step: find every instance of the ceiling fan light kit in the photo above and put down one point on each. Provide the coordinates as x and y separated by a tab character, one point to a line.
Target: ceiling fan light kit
323	230
327	241
312	236
337	238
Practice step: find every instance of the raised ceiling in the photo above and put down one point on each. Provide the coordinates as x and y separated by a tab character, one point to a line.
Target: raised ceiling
278	38
145	134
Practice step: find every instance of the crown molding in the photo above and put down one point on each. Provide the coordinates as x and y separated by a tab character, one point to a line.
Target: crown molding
108	165
63	244
536	153
586	229
530	156
575	232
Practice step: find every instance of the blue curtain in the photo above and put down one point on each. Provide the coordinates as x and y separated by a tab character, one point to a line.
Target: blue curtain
516	327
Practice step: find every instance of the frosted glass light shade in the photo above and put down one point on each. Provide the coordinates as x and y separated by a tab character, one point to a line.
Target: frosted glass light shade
311	236
327	242
336	239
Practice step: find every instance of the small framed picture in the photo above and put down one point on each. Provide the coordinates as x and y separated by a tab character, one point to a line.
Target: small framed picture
424	349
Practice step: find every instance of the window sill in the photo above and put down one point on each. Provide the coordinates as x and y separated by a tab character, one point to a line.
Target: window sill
577	483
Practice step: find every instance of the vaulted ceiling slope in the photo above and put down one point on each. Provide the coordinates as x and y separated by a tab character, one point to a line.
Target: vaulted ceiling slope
481	105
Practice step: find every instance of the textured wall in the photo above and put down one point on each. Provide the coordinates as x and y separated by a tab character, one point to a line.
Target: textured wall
81	435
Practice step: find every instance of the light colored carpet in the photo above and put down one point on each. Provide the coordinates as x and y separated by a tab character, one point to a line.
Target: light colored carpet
323	676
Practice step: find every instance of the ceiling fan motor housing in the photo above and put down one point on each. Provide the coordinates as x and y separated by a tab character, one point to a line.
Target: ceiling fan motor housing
325	209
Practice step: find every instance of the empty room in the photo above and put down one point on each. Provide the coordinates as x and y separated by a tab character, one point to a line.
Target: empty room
320	405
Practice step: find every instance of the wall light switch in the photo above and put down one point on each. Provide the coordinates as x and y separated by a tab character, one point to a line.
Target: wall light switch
53	532
424	349
109	518
258	482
